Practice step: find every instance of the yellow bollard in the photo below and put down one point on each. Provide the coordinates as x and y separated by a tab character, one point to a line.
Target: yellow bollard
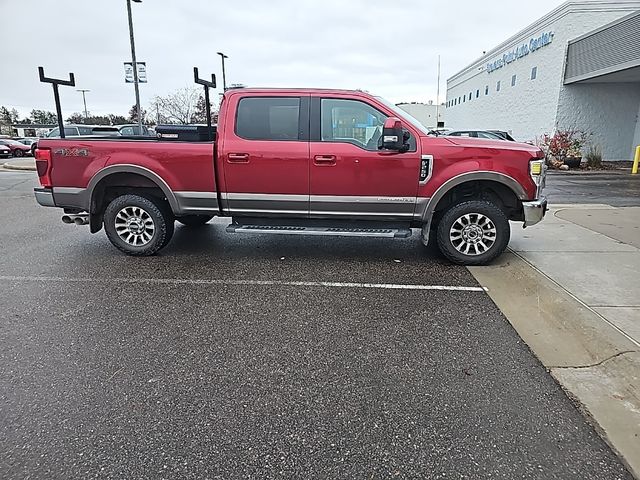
636	161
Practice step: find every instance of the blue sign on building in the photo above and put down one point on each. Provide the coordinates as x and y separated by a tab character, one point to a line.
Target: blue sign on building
521	51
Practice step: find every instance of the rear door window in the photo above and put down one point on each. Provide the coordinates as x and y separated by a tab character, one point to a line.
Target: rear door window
268	118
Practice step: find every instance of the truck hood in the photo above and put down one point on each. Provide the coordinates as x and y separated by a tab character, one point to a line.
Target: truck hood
495	144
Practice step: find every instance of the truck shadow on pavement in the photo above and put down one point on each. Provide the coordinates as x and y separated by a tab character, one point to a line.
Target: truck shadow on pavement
212	239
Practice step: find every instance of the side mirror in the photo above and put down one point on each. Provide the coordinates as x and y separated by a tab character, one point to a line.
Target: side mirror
393	135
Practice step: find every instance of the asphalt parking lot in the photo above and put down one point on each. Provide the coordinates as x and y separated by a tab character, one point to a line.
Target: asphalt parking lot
594	187
264	357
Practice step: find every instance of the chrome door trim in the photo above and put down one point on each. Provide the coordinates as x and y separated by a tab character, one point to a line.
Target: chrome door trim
387	208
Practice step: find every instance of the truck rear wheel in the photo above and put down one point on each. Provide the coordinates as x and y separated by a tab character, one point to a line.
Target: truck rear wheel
138	225
473	233
194	220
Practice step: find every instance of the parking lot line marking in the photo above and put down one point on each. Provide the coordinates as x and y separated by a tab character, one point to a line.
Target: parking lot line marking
193	281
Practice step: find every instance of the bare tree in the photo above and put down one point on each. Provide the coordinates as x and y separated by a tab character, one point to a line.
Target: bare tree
200	112
177	107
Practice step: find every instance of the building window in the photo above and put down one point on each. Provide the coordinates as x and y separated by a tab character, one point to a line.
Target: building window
470	95
486	90
459	100
477	93
464	98
513	81
534	73
498	86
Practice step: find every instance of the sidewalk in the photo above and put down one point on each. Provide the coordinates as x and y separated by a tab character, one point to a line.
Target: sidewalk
26	163
571	288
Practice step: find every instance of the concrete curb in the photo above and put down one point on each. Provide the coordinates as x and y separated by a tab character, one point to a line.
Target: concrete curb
594	362
28	168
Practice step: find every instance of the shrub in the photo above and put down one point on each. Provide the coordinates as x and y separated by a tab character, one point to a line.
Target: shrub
594	156
562	144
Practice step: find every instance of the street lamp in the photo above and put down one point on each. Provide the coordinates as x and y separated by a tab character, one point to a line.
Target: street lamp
133	60
84	100
224	78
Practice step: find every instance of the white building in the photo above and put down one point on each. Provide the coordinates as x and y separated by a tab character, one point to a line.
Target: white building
426	113
577	67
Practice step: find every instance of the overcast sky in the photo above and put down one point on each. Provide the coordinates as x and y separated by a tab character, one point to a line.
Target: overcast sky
386	47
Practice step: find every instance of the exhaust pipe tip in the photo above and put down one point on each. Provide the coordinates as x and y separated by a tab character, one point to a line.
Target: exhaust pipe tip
67	219
80	221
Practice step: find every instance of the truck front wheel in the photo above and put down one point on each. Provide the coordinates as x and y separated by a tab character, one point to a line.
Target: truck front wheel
138	225
473	232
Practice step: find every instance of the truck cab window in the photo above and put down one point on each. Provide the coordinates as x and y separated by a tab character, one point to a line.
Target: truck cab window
274	118
351	121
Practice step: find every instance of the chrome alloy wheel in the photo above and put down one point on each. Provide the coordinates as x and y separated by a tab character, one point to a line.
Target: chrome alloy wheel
134	226
472	234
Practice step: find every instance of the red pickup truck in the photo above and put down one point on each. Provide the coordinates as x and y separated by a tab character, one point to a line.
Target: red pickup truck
299	161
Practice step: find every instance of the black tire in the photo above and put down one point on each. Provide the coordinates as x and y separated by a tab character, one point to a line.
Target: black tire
171	222
18	153
147	240
194	220
483	241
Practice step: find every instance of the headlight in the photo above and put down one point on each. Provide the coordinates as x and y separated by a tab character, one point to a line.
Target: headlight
538	170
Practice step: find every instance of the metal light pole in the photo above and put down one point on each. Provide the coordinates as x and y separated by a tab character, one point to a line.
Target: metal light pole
224	78
133	60
84	100
438	97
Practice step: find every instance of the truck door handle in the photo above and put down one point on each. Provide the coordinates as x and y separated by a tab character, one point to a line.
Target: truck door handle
238	158
324	160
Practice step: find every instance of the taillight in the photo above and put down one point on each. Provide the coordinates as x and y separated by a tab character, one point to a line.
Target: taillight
43	166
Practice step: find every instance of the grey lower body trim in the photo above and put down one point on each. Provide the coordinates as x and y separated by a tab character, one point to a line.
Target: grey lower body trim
322	206
71	197
44	197
421	208
197	203
268	204
372	207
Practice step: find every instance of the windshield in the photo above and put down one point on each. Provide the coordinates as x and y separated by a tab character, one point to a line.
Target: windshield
404	115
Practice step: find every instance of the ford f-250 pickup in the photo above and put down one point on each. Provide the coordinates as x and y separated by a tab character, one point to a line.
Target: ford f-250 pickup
299	161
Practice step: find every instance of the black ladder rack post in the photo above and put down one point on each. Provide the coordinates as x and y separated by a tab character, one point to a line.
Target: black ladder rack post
55	82
207	84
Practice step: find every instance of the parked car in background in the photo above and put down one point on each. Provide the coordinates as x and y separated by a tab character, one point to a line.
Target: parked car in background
438	132
475	134
27	140
133	129
5	151
81	130
505	135
17	149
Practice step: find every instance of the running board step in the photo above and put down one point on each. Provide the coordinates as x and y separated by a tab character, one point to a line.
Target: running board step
335	231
